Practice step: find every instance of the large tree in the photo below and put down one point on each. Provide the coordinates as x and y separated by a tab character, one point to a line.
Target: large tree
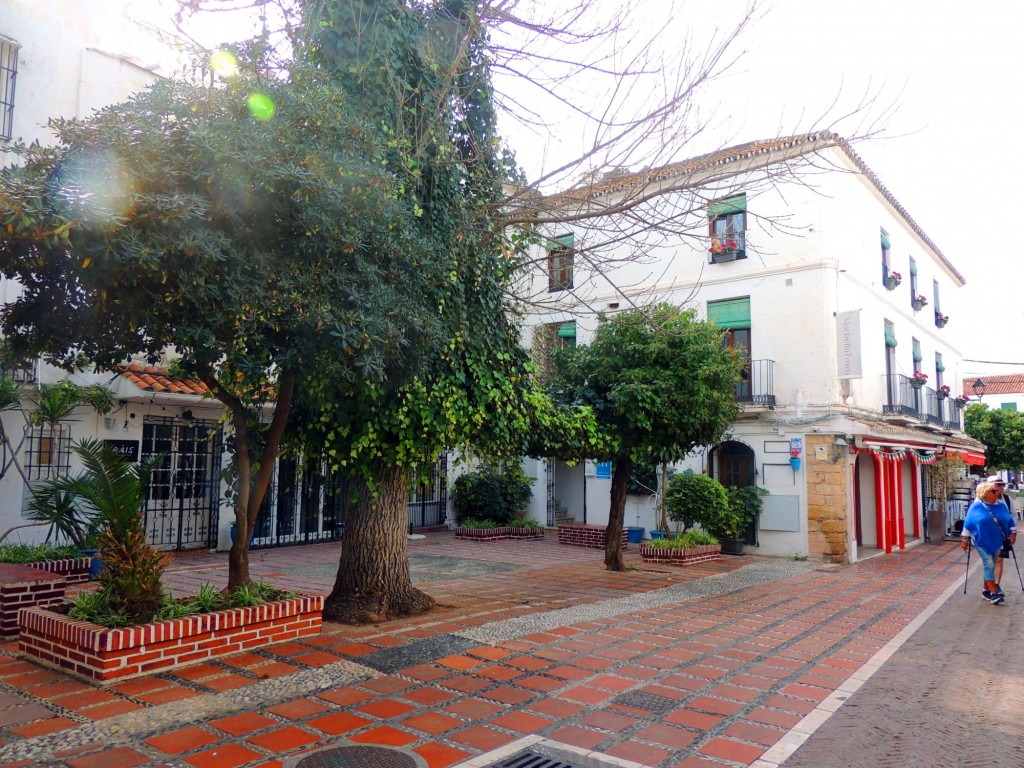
253	227
660	384
1002	432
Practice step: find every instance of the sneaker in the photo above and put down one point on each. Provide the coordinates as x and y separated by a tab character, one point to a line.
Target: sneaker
992	597
999	591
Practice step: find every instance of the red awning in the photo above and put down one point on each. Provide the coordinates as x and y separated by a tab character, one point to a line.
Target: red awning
971	457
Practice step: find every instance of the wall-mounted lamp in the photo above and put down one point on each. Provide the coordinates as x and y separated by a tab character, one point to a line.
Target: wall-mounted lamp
979	388
187	416
837	448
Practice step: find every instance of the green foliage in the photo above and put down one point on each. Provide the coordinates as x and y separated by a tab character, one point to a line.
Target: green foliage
100	608
10	394
499	494
1002	432
477	525
685	540
644	480
36	553
68	519
658	378
206	600
702	500
746	503
111	491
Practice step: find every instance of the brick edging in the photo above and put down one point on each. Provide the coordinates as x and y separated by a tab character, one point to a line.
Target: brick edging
90	651
495	534
586	535
670	556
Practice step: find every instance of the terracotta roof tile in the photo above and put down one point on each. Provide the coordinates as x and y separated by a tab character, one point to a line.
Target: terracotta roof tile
151	379
1009	384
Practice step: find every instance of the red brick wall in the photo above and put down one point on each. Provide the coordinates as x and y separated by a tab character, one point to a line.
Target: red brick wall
667	556
585	535
25	586
75	570
494	534
97	653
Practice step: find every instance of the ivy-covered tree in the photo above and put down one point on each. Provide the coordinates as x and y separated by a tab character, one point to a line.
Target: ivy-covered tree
660	384
255	227
1002	432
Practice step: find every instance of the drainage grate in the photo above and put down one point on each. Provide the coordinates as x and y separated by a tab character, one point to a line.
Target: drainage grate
529	759
357	757
648	702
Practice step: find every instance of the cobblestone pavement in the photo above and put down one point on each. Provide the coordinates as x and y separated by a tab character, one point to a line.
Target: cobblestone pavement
535	646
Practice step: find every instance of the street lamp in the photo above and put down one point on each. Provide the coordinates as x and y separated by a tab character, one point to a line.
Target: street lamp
979	388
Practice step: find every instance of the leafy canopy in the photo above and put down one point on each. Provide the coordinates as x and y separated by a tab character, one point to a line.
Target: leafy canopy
1002	432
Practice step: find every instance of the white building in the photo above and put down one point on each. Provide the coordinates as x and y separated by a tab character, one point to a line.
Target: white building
835	296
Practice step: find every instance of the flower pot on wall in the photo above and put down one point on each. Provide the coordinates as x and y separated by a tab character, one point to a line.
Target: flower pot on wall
917	305
794	462
892	283
917	383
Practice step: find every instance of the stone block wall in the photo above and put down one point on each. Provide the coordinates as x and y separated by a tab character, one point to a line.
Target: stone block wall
828	501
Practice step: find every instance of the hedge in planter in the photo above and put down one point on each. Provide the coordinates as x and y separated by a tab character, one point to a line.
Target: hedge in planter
688	548
497	494
487	530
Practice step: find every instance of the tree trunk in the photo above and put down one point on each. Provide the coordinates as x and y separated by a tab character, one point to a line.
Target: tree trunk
621	471
373	582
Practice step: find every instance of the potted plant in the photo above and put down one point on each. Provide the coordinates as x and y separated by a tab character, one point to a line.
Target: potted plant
892	280
919	379
723	250
959	402
918	302
942	392
941	319
747	503
701	500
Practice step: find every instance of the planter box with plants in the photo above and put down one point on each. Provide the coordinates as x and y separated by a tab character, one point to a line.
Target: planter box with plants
104	654
724	513
487	530
129	626
491	501
688	548
66	561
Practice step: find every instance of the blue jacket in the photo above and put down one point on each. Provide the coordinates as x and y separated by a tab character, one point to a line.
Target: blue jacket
980	525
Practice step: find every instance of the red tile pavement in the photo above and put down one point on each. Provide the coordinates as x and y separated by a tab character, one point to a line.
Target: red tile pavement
684	684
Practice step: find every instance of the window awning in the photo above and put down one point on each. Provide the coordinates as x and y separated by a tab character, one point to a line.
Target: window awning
732	314
885	241
568	329
971	457
890	338
562	241
737	204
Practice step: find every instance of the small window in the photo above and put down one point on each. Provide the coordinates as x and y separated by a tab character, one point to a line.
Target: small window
1008	406
561	258
49	452
728	229
8	76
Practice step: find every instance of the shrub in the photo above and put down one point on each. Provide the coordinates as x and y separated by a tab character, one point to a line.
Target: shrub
687	540
477	525
492	493
702	500
747	503
36	553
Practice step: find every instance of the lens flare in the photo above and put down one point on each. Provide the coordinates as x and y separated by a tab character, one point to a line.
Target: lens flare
261	106
223	63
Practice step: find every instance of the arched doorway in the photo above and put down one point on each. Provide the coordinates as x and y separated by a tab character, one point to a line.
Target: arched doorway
732	464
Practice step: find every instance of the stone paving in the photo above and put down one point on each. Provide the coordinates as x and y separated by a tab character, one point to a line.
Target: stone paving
723	663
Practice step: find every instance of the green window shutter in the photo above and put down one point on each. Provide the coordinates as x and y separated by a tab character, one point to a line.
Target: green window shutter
568	330
890	338
885	241
733	314
1008	407
729	205
913	268
562	241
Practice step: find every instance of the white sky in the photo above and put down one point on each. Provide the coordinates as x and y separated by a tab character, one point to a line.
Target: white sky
948	151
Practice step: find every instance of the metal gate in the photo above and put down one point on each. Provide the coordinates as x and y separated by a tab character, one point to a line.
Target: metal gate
183	493
428	496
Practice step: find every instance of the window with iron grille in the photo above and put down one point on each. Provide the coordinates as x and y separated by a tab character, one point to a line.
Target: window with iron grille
561	261
49	452
8	76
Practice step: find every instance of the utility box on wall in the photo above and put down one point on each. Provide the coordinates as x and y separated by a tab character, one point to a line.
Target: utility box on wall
780	513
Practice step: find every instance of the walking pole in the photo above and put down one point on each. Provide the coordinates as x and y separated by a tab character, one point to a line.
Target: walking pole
969	566
1015	566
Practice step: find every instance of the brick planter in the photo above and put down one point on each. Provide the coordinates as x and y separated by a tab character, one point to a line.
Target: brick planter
25	586
75	570
495	534
669	556
92	652
585	535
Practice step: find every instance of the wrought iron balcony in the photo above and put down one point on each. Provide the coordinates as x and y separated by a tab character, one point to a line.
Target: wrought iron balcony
903	398
757	387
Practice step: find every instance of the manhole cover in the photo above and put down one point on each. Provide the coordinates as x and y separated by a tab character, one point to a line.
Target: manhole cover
648	702
357	757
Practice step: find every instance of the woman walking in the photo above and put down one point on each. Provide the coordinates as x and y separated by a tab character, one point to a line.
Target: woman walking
991	526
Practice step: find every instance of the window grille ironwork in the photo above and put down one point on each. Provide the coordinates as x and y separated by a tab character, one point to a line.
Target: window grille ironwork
183	495
48	452
8	78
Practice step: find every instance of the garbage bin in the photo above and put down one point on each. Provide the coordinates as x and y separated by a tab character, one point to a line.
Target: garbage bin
634	535
936	526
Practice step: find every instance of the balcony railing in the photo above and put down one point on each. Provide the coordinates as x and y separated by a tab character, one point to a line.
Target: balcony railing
921	403
19	374
757	387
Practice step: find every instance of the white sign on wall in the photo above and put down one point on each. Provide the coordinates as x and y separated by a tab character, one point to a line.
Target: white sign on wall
848	344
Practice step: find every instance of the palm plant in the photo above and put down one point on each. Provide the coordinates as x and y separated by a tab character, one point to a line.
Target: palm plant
112	491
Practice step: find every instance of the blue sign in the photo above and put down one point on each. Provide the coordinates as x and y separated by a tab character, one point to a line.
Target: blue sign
604	470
